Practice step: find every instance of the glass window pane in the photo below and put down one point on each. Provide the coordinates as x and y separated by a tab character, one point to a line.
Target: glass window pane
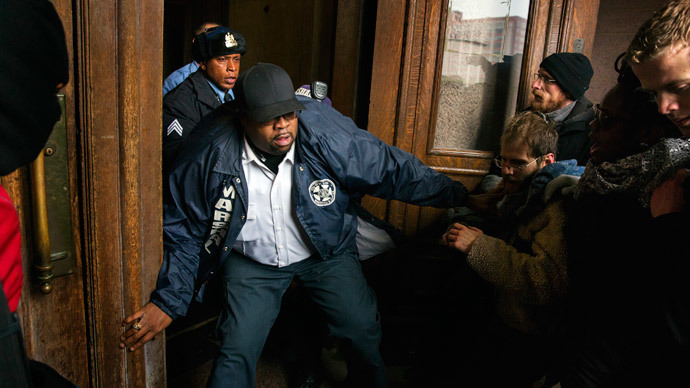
482	58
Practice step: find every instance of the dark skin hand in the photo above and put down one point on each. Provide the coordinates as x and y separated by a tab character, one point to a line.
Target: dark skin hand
151	319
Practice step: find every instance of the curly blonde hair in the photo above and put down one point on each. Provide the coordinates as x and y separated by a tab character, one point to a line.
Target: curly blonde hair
667	27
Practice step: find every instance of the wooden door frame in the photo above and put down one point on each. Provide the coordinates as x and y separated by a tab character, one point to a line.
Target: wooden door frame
119	81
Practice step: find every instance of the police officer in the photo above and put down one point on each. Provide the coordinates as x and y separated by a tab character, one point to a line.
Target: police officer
218	52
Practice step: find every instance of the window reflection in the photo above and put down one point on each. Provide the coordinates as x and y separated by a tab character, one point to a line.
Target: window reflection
482	58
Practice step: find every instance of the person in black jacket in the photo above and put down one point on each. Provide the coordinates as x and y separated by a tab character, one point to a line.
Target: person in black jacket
218	52
30	32
626	310
558	92
658	55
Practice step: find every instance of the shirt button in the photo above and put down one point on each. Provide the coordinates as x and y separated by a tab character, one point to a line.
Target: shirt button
280	247
276	207
279	228
243	217
225	249
237	180
301	168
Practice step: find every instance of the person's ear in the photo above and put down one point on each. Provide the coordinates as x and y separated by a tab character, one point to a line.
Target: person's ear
202	65
548	158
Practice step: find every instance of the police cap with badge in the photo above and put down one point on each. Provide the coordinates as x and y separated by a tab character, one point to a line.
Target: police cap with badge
218	41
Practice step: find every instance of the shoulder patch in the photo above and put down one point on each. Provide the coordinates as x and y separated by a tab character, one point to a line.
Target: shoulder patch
322	192
176	127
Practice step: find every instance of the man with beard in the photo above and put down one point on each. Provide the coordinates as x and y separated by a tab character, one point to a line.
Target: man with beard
520	250
558	91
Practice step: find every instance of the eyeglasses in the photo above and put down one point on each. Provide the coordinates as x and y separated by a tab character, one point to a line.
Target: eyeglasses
543	78
501	162
604	119
286	116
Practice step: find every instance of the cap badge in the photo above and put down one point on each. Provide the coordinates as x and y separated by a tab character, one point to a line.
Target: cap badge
230	40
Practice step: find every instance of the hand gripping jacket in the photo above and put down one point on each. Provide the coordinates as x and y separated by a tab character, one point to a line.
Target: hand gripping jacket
206	205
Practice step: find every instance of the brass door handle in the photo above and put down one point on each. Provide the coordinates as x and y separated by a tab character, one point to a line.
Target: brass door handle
42	264
51	207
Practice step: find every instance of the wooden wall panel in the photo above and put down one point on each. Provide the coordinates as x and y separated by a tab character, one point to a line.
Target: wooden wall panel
617	23
295	35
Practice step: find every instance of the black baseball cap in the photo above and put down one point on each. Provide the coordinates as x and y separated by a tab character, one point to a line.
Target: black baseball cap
265	91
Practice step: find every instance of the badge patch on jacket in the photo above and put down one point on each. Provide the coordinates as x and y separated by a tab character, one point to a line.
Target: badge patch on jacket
322	192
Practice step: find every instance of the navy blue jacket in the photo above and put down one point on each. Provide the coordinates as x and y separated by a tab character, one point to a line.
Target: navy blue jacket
206	205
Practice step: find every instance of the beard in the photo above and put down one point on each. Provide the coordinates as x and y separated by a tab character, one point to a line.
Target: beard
544	103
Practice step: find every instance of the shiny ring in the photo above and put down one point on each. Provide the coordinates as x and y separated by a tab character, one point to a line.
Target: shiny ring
136	326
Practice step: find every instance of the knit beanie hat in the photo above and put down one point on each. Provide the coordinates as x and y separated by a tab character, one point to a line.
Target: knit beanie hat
572	72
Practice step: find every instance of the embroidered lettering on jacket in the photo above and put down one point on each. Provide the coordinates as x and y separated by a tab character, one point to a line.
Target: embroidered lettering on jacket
322	192
221	218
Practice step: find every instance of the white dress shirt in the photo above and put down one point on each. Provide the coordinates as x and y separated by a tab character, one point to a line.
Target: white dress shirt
272	235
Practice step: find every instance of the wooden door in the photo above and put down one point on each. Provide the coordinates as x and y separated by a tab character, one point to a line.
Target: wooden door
102	190
406	96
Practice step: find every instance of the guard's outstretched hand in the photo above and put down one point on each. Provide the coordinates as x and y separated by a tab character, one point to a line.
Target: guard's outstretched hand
148	322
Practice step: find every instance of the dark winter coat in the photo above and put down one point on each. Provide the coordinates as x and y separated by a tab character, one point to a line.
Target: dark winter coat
183	109
573	133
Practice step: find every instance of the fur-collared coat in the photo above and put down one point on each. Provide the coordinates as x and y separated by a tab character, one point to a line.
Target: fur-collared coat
528	266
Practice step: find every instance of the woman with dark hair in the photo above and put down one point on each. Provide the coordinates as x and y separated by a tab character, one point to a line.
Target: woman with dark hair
619	275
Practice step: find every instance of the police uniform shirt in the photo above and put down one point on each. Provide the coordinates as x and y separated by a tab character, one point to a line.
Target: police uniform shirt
222	96
272	234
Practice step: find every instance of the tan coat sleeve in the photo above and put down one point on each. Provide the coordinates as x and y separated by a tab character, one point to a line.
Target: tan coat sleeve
535	278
